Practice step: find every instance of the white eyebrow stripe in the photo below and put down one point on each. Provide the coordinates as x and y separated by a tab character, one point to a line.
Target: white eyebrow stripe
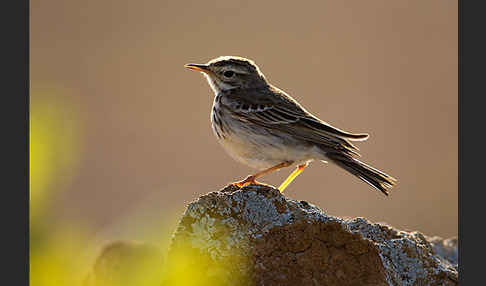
235	69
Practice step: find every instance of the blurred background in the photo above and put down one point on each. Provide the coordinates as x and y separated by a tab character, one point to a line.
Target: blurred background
120	132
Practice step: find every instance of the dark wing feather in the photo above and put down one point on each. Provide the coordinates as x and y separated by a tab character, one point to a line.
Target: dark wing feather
285	114
291	106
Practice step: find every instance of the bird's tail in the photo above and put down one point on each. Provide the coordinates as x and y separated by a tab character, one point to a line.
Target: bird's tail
376	178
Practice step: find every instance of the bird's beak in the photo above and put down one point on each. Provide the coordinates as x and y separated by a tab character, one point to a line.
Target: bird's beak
197	67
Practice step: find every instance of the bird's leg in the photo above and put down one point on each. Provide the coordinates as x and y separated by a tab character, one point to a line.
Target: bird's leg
292	176
251	180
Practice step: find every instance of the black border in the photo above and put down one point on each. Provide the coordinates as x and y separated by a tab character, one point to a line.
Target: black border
26	199
26	64
471	113
15	139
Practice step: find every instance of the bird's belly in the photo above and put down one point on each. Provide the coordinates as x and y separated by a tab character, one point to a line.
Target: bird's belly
266	150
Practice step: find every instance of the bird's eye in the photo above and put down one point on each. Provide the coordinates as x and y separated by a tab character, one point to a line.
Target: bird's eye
228	73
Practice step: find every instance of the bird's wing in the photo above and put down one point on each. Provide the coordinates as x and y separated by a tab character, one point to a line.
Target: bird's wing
285	114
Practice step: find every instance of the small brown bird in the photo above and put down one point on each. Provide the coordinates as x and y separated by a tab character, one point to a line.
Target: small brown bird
264	128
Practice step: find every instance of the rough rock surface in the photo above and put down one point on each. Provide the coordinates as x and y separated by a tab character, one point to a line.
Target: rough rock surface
257	236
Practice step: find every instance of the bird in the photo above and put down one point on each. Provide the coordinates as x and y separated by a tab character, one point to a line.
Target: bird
263	127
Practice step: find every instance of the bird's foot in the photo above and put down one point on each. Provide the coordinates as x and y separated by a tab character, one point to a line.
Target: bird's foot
250	180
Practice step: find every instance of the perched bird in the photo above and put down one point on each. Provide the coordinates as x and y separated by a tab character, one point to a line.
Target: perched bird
263	127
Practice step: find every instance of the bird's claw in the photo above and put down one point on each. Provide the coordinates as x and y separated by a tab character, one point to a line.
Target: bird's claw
250	180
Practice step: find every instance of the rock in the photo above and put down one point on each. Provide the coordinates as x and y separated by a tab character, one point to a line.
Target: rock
257	236
446	248
126	263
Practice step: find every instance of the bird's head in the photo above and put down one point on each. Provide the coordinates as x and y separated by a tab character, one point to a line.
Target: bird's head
229	72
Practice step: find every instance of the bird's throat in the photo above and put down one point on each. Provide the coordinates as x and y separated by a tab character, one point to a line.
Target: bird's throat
218	86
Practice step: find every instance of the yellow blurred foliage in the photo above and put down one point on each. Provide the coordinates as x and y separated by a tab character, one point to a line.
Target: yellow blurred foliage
64	254
126	263
189	267
54	144
55	251
61	258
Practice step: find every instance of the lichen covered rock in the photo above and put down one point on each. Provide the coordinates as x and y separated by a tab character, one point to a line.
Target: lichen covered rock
257	236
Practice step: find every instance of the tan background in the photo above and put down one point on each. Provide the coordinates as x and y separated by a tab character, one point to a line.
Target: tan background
143	142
